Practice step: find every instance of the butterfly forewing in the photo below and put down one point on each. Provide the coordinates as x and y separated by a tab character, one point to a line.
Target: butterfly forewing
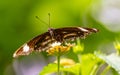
44	41
69	33
36	44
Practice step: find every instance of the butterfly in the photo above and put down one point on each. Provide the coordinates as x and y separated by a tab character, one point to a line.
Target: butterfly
44	41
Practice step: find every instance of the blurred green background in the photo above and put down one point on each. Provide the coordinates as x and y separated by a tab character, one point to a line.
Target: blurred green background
18	24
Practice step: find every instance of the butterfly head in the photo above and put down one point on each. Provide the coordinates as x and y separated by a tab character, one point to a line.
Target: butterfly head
51	31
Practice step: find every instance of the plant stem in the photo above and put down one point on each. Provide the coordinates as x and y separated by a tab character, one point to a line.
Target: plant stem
94	70
105	70
79	58
58	61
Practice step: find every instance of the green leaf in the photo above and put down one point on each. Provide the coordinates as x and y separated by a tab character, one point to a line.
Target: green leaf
112	60
79	48
51	68
72	69
89	64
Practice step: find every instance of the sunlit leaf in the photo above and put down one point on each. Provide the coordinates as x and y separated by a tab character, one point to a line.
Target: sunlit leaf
112	60
72	69
51	68
89	64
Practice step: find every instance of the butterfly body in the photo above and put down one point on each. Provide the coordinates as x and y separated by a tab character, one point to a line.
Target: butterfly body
44	41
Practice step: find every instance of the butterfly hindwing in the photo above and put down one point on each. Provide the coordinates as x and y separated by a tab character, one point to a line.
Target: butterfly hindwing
34	44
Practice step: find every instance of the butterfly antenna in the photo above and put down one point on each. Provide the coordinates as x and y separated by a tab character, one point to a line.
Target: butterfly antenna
49	19
42	20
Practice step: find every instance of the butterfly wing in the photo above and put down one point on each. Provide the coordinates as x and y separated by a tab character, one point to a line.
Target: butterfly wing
44	41
38	43
71	33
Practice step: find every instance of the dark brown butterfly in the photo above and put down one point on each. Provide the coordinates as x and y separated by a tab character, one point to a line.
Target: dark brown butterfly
44	41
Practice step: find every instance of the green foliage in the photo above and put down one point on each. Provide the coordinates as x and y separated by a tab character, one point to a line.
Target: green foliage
51	68
74	69
89	64
117	46
113	60
78	48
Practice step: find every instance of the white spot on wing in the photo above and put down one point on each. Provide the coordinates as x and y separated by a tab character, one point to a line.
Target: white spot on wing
14	55
56	44
26	48
83	29
95	29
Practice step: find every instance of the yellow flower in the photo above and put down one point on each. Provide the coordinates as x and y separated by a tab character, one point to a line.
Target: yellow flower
57	48
66	62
